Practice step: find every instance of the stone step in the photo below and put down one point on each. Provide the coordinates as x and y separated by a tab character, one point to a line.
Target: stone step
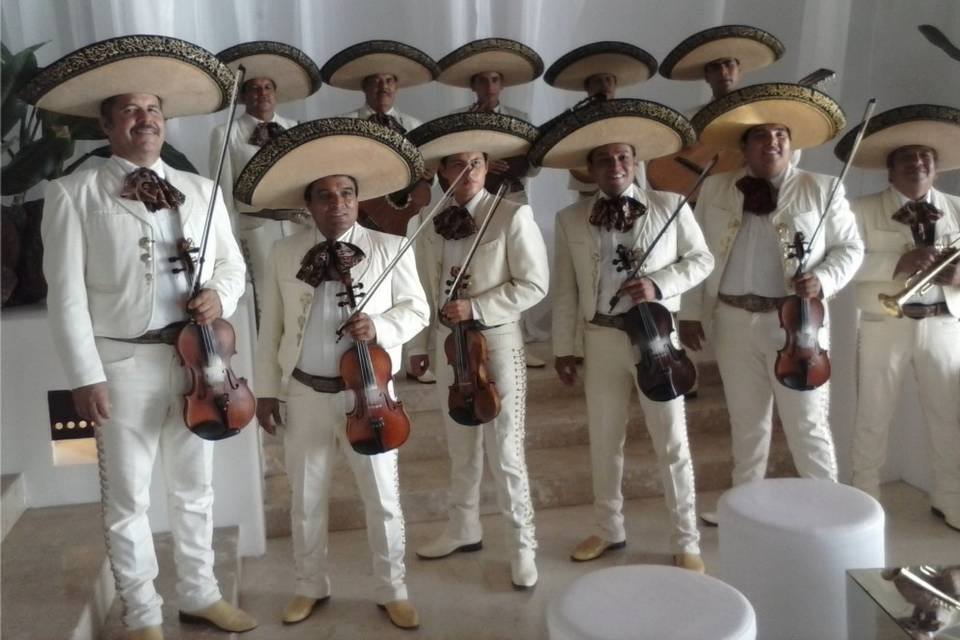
13	501
227	565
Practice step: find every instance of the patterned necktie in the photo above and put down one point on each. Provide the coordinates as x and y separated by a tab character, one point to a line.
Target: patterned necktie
153	191
454	223
758	195
921	217
616	213
329	261
388	121
264	132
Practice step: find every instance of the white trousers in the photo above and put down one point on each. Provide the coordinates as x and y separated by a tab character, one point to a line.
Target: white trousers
146	383
930	350
503	439
610	379
256	245
746	350
315	430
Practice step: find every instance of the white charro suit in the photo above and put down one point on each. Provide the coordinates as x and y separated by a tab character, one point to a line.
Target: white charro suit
678	262
316	423
509	274
889	346
101	271
747	343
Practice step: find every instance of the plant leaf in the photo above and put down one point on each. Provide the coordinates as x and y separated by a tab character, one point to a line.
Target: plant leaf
37	161
175	159
18	70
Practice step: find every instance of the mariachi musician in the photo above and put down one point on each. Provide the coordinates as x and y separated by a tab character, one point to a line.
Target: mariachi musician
327	165
507	275
116	305
610	138
748	217
909	228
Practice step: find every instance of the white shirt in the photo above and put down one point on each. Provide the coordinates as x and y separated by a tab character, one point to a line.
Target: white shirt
610	279
408	122
455	251
934	294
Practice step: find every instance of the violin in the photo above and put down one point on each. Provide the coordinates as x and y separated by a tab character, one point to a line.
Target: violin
664	371
801	364
378	422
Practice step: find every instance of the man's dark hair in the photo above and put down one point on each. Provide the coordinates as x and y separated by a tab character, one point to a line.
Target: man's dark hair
590	153
894	152
107	106
474	76
746	132
719	61
443	160
246	84
308	190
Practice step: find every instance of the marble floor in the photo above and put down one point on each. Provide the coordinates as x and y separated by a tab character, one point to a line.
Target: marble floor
469	596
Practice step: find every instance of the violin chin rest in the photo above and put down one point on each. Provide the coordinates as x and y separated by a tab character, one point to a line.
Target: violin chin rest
464	417
212	430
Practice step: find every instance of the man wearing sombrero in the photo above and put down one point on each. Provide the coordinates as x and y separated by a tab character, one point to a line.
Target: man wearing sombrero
328	165
903	228
508	275
609	138
749	217
275	73
115	306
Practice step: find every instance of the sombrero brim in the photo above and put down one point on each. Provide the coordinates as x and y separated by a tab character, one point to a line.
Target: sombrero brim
497	135
188	79
929	125
630	64
514	61
813	117
381	160
292	71
348	68
754	48
652	129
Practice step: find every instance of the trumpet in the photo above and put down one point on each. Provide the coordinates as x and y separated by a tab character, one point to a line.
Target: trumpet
920	282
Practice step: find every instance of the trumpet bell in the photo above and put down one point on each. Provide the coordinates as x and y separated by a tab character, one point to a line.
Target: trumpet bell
891	304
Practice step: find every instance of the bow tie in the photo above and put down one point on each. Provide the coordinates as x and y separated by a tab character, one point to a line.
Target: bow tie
454	223
329	261
153	191
758	195
616	213
264	132
388	121
921	217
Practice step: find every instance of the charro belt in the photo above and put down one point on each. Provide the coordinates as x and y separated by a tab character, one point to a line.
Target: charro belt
613	322
166	335
750	302
320	384
921	311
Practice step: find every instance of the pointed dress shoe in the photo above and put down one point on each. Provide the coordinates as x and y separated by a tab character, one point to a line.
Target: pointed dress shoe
145	633
594	547
402	614
222	615
709	518
426	377
300	608
533	362
523	570
691	561
445	546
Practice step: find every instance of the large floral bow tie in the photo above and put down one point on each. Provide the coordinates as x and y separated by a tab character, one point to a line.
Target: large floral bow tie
921	217
264	132
759	196
388	121
616	213
153	191
454	223
329	261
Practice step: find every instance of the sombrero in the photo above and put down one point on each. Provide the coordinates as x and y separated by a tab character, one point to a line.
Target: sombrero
652	129
929	125
381	160
188	79
292	71
753	47
812	116
631	65
514	61
497	135
348	68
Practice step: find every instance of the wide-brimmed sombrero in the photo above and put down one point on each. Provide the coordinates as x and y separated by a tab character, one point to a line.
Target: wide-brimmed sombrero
928	125
348	68
753	47
652	129
188	79
292	71
812	116
497	135
381	160
630	64
514	61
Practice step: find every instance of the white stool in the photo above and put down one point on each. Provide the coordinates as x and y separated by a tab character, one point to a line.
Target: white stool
786	544
640	602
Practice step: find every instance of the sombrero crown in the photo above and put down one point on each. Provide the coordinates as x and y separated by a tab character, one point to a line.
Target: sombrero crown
295	75
410	65
497	135
753	47
630	64
514	61
188	79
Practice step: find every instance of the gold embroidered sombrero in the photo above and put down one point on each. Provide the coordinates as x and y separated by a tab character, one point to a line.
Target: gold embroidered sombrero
514	61
348	68
812	116
630	64
497	135
929	125
188	79
381	160
652	129
292	71
753	47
